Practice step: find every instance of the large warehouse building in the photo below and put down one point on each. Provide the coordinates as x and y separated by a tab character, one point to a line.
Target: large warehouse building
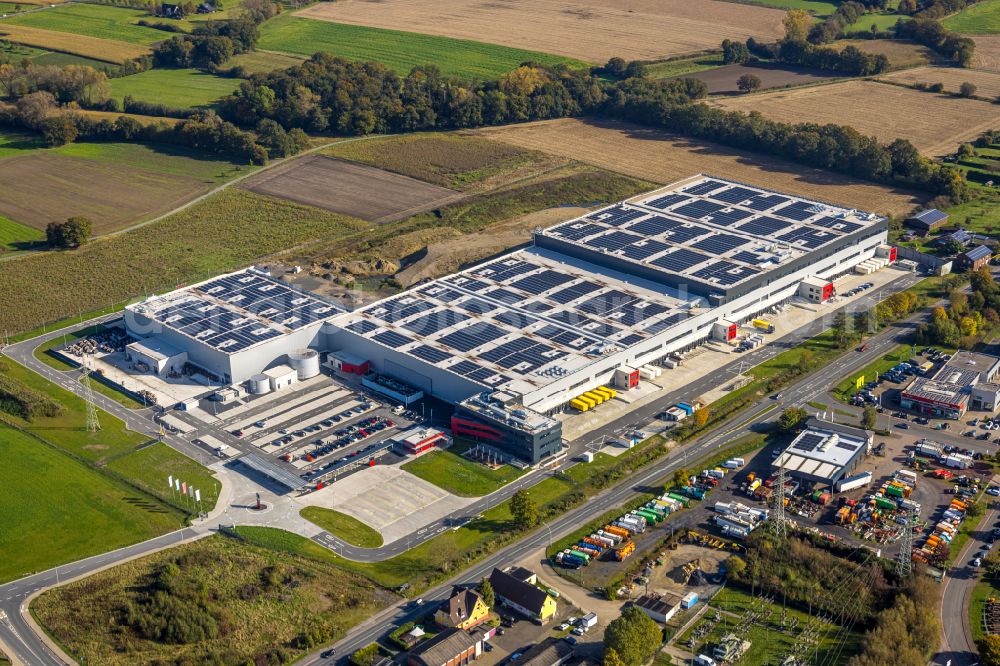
514	340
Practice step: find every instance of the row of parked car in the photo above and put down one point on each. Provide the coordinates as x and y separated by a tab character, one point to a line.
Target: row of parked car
289	437
346	436
860	288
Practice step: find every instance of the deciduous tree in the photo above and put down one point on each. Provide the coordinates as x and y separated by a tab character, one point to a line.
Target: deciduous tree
634	637
523	509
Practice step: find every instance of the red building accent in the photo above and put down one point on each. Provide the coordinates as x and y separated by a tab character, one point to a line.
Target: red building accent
460	426
633	379
730	334
827	291
892	254
355	369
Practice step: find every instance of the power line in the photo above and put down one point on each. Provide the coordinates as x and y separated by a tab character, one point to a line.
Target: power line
778	525
904	558
93	424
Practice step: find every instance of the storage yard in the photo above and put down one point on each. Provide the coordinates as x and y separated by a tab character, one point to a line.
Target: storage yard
593	32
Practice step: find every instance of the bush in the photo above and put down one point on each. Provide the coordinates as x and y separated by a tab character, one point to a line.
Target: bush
967	89
366	656
20	400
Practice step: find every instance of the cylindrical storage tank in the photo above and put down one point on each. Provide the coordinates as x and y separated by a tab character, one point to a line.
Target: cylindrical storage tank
260	384
305	362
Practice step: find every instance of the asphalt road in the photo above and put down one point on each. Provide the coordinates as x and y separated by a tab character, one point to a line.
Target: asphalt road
21	641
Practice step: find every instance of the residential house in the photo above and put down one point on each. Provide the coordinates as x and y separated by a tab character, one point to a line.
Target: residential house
976	258
463	610
522	597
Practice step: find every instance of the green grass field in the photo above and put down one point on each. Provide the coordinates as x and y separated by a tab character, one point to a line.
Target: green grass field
14	236
400	51
459	475
882	22
984	589
348	528
980	18
668	68
177	88
150	466
15	142
264	61
814	7
63	59
68	430
57	510
101	21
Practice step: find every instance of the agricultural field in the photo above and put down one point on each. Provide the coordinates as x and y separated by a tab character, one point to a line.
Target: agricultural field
461	162
722	80
987	53
817	8
106	50
460	476
57	509
936	124
16	237
231	229
259	62
348	528
177	88
987	83
979	18
590	31
350	189
97	21
901	54
260	605
397	50
113	184
657	156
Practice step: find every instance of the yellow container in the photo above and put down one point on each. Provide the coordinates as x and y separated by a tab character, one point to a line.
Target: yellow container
579	404
596	397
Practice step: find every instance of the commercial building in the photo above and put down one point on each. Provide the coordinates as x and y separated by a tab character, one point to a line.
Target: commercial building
233	326
418	440
927	220
824	452
522	337
522	596
976	258
451	647
550	652
947	393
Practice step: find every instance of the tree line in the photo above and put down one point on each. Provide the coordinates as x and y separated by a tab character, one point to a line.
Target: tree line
968	319
212	43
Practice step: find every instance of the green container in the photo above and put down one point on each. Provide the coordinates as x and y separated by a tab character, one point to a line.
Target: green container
680	498
894	491
883	503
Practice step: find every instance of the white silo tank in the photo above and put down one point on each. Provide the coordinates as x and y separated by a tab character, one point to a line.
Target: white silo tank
260	384
305	362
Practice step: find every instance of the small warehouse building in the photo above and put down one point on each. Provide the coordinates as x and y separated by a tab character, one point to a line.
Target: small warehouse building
281	376
522	597
452	647
659	607
418	440
976	258
155	355
815	289
824	452
927	220
948	393
342	361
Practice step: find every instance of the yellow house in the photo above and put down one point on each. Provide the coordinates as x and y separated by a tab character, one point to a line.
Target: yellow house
464	610
521	595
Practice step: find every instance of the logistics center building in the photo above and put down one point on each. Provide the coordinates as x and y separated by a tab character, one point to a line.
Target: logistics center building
514	340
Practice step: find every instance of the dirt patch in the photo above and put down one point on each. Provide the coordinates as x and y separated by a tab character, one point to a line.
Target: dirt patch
594	31
456	161
41	188
936	124
664	158
987	54
987	83
351	189
723	79
447	256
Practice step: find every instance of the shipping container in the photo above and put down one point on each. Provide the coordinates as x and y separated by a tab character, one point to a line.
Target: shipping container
688	409
680	498
624	550
617	531
852	482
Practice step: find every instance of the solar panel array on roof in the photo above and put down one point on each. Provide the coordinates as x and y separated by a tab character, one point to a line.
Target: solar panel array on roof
433	322
806	237
541	282
667	201
644	249
680	260
725	272
703	187
577	230
734	195
472	336
391	339
763	226
808	441
617	215
799	210
615	240
720	243
430	354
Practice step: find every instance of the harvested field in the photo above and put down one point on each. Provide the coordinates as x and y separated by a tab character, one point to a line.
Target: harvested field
901	54
99	21
108	50
663	158
987	83
723	79
936	124
987	54
592	31
351	189
111	183
456	161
